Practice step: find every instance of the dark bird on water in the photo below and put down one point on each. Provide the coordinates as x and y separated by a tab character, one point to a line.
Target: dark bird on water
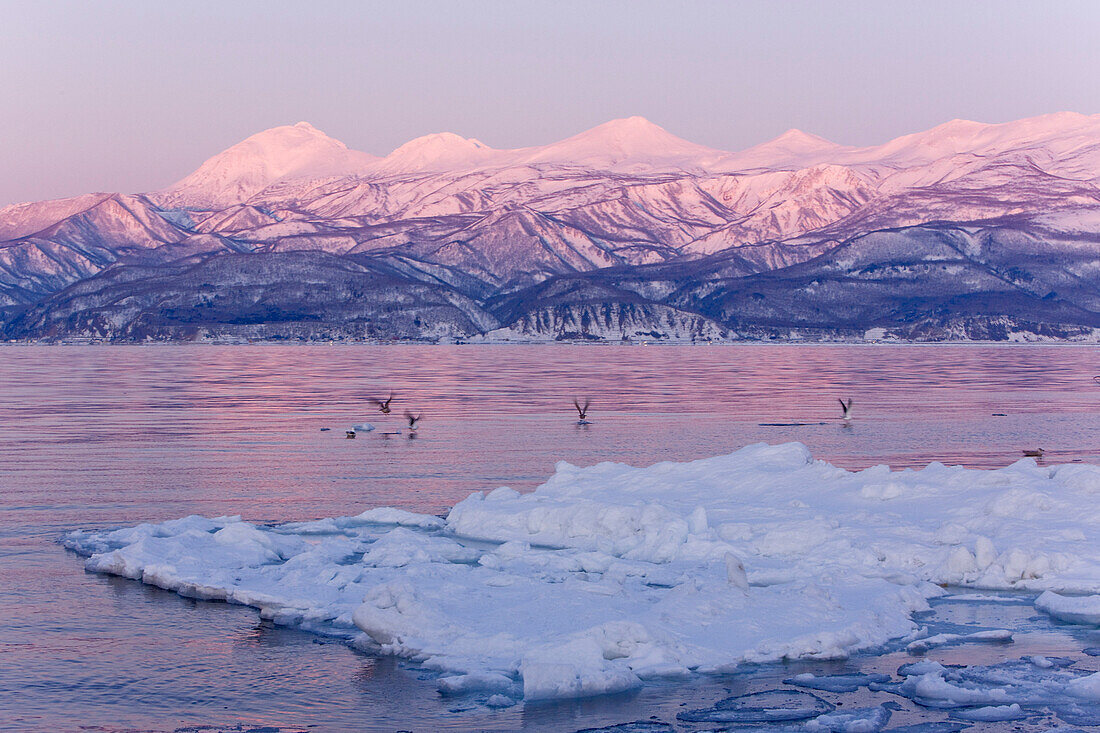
384	407
1034	452
581	411
847	407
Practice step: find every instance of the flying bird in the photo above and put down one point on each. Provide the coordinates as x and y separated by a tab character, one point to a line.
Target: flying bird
413	420
581	411
384	407
847	407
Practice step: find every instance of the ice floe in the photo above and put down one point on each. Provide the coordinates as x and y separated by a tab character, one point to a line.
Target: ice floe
608	576
1072	609
1009	690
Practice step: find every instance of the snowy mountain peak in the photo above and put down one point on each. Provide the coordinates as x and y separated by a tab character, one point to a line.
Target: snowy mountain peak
280	153
632	143
795	139
634	126
435	152
632	135
1057	131
793	149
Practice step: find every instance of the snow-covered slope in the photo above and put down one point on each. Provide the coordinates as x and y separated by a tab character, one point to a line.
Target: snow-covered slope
296	152
633	145
625	194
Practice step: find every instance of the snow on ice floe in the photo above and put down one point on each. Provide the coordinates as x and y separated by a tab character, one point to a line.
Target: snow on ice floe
920	646
836	682
1072	609
611	575
1010	690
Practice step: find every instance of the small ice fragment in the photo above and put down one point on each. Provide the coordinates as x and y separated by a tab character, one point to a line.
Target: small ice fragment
735	572
836	682
463	683
993	713
981	598
856	720
761	707
638	726
992	636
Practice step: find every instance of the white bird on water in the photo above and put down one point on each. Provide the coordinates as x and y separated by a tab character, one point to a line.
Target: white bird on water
847	407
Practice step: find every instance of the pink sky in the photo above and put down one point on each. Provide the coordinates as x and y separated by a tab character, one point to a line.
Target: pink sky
131	96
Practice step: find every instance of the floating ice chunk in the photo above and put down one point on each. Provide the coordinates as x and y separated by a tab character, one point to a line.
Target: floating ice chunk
994	636
638	726
485	682
500	701
1074	695
982	598
837	682
857	720
320	526
992	714
761	707
934	690
1072	609
1087	688
389	515
89	543
631	564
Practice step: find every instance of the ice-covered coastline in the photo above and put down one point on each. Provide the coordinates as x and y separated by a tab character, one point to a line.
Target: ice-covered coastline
610	575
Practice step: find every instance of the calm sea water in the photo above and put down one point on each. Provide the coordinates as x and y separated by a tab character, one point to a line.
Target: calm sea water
94	437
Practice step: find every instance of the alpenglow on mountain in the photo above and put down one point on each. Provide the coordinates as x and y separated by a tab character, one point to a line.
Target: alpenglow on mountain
623	232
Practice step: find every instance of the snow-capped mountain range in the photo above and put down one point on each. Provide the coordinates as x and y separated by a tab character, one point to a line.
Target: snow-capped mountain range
967	230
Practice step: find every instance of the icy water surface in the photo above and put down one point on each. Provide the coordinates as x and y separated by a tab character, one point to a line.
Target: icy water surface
94	437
